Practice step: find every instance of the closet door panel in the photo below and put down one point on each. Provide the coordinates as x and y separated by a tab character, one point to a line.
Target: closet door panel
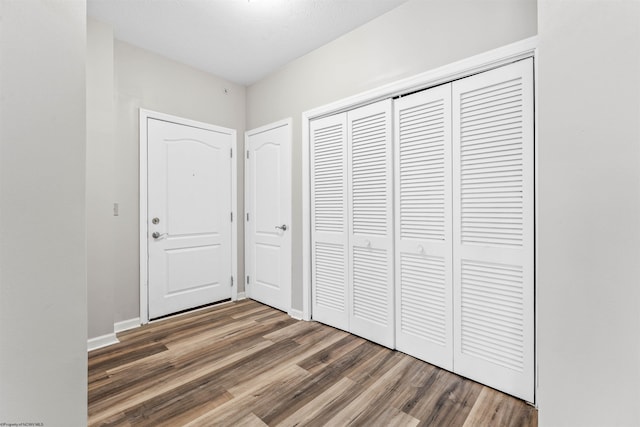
371	222
329	220
493	224
423	225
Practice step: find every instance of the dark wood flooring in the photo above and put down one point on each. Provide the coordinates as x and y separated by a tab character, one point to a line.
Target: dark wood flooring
247	364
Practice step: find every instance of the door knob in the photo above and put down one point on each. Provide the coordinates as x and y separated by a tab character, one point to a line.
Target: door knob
156	220
157	235
282	227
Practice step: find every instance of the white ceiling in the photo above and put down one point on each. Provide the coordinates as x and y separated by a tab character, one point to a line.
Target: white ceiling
239	40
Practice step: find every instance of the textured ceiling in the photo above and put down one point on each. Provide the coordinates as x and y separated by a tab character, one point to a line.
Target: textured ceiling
239	40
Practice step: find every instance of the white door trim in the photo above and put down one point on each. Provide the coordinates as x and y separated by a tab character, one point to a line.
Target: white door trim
485	61
144	282
271	126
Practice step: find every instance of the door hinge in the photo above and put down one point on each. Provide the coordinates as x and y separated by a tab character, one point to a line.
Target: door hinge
247	154
248	280
231	216
247	216
231	152
232	281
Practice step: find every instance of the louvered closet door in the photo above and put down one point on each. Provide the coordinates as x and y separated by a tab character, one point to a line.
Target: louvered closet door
493	197
329	220
371	223
423	225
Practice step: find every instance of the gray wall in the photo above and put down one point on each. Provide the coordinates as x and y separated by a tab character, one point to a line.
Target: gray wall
589	213
415	37
43	298
101	269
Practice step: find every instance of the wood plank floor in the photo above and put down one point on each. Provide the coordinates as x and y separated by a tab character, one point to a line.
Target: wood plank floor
246	364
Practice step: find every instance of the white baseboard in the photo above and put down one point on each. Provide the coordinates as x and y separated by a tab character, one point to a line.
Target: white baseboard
102	341
125	325
241	295
296	314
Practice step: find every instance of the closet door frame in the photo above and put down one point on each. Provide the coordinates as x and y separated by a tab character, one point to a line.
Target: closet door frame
495	58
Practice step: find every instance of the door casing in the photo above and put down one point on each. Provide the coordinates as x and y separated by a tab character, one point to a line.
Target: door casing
144	115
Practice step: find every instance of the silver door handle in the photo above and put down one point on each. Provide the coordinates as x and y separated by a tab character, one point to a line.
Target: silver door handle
156	235
282	227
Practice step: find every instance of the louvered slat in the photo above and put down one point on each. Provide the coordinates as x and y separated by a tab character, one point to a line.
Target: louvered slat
491	164
422	170
369	175
422	297
370	285
329	278
329	176
492	323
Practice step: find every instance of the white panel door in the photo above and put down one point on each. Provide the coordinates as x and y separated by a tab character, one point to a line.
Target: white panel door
189	206
493	209
268	219
329	225
370	207
424	309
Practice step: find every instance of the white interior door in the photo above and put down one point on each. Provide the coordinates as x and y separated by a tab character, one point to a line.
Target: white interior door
268	218
189	208
493	214
424	319
329	220
370	207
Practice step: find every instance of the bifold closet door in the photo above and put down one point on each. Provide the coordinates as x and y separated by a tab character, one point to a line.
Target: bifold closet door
370	206
493	228
423	225
329	220
352	221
